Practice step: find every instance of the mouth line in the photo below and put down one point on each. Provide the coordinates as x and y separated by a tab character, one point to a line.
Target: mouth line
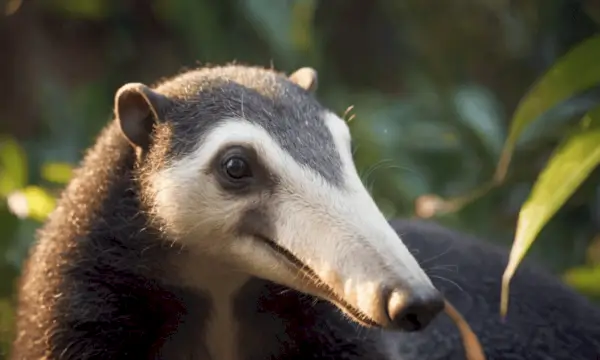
311	274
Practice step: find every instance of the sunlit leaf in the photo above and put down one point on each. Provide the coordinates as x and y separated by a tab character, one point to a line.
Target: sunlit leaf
57	172
576	71
585	279
569	166
31	202
13	166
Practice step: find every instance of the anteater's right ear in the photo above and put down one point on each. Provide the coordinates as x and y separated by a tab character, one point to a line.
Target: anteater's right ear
138	108
306	78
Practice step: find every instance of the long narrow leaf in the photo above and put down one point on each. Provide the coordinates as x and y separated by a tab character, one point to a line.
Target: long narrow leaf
569	166
575	72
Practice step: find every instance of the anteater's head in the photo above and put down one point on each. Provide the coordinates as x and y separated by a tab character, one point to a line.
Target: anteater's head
243	165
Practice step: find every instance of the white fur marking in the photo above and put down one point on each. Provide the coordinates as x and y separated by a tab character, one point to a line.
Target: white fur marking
337	231
221	282
376	230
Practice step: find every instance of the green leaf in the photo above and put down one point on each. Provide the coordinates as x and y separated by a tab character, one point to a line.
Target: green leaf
568	167
205	36
88	9
576	71
6	326
273	19
301	27
585	279
32	202
286	25
57	172
479	110
13	166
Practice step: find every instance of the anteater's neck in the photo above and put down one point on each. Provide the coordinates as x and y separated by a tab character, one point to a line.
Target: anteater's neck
222	288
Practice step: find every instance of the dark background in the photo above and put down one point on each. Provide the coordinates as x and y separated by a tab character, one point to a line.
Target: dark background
434	84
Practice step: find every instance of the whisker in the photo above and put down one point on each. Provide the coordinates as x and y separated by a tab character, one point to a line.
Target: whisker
449	281
374	167
453	268
437	256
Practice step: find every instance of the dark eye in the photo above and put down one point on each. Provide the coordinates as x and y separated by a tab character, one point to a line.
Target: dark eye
237	168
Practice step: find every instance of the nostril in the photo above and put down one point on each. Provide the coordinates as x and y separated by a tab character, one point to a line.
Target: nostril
411	322
413	311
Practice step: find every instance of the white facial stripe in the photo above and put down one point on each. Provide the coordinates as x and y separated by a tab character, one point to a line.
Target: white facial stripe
364	213
338	231
335	215
185	196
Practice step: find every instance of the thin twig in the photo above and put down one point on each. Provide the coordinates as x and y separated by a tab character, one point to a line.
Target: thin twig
473	350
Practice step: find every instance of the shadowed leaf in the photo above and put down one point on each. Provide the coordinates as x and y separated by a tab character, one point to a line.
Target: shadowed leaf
6	320
577	71
89	9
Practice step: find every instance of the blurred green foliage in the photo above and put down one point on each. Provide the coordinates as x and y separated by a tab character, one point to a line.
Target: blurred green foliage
445	96
571	163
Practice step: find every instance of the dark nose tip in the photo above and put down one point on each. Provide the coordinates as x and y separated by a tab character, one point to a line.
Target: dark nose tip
414	310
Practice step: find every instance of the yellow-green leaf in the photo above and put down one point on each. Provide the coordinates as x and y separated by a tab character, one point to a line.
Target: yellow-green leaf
31	202
593	251
576	71
6	315
302	16
6	324
88	9
13	166
585	279
57	172
568	167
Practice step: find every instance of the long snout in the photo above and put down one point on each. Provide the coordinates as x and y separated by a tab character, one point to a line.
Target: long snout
379	295
361	265
358	260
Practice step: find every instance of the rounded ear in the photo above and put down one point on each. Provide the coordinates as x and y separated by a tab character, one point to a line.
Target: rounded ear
306	78
137	109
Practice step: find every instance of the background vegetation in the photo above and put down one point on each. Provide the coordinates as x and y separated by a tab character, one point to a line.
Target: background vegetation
435	88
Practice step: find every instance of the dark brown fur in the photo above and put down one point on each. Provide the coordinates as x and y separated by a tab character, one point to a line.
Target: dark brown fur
94	286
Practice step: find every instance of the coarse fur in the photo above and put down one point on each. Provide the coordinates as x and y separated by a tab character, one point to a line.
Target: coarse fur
546	319
120	272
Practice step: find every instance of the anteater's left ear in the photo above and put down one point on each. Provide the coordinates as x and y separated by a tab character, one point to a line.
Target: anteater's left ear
306	78
138	108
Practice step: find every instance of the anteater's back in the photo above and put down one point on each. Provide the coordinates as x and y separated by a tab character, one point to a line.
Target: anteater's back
546	319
